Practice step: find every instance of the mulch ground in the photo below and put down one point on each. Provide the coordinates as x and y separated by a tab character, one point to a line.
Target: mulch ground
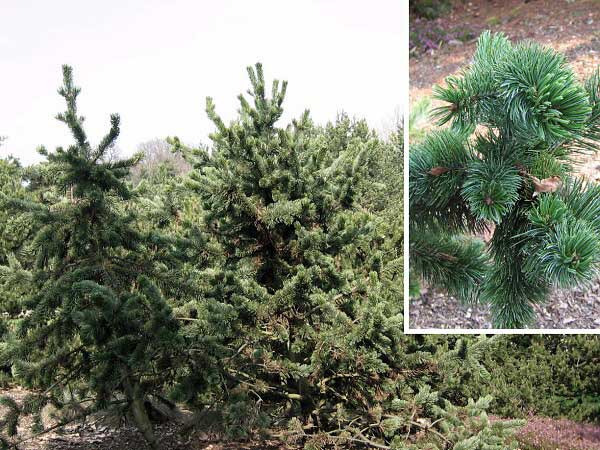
572	27
127	438
538	434
89	437
98	435
568	309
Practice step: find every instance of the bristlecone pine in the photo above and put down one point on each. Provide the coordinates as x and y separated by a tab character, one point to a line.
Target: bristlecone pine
91	328
517	118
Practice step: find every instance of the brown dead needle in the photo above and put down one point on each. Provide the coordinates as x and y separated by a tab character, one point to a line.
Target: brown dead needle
551	184
437	171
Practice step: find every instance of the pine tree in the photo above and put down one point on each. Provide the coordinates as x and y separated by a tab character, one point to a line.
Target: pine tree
518	118
279	205
95	333
301	318
552	375
14	229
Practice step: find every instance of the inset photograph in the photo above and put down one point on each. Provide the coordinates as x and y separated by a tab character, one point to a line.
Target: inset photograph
504	166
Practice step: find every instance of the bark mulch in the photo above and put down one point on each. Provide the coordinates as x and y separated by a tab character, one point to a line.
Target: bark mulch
572	27
568	309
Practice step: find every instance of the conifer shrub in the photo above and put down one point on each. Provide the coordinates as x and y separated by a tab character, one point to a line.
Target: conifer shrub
94	332
15	230
430	9
306	300
552	376
517	120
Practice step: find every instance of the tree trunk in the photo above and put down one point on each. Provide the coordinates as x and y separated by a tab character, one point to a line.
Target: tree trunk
138	410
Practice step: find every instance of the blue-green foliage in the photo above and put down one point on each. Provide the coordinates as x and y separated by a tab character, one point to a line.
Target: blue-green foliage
517	115
91	322
262	289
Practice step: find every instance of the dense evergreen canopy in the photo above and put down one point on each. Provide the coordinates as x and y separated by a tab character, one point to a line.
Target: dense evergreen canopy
261	289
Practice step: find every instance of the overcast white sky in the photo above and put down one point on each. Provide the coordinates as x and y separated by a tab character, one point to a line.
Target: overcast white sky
155	61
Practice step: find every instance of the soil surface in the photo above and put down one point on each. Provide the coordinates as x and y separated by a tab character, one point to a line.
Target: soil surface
569	26
95	434
544	433
539	432
568	309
